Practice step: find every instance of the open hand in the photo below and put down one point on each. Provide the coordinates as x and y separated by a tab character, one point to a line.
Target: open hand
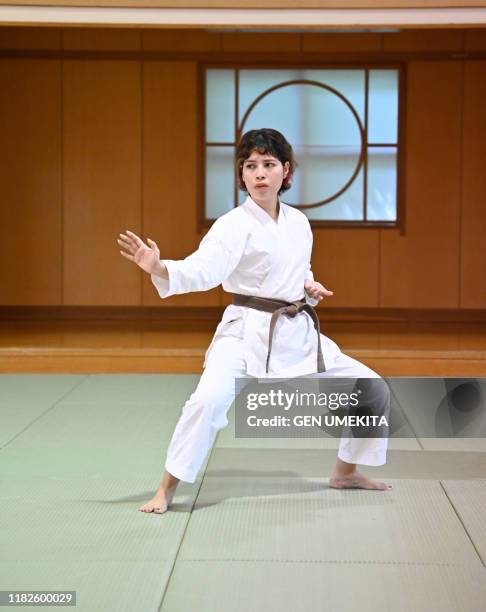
147	257
316	290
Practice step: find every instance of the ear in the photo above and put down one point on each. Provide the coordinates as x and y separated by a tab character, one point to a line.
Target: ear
286	168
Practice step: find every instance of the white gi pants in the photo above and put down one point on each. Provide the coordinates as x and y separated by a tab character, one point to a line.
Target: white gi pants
204	413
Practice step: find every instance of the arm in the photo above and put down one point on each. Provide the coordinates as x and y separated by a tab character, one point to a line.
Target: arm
215	259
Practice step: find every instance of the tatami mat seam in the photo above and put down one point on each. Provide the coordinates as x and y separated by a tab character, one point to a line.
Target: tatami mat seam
404	415
463	524
327	562
45	412
185	529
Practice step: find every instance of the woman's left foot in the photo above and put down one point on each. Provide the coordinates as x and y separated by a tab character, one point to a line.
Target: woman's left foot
357	481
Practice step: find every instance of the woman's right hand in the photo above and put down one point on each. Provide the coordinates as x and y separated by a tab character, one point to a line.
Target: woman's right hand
147	257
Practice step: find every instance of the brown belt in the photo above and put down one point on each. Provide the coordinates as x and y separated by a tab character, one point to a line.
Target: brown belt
278	307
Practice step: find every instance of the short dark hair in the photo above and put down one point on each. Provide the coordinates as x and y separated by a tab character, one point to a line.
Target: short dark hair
265	140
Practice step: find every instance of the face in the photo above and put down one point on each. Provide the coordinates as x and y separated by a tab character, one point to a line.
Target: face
263	176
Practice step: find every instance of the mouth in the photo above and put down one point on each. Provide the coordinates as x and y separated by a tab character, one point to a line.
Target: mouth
261	186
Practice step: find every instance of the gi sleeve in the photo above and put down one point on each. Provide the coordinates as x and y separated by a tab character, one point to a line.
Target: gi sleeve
218	254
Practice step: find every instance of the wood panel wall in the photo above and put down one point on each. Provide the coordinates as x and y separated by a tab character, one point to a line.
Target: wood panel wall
31	208
92	146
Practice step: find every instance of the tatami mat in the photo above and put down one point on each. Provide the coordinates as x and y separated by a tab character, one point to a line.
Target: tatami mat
454	444
23	399
259	530
314	463
292	519
266	534
469	500
135	584
44	389
270	586
72	482
116	389
81	440
86	534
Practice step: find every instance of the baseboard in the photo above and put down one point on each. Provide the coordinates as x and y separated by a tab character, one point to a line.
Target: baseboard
213	313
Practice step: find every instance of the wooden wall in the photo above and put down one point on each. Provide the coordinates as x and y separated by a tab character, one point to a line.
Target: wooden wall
97	139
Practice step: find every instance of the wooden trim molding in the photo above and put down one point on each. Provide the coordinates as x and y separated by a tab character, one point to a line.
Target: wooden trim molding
258	4
266	19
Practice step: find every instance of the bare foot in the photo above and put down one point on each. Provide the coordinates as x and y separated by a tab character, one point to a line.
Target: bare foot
356	480
159	503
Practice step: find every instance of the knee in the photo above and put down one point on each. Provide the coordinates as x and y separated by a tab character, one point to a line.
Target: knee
200	408
196	407
374	401
375	393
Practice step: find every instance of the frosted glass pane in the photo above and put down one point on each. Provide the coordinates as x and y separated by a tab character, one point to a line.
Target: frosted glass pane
382	184
306	115
383	106
347	207
350	83
220	106
220	181
254	82
322	172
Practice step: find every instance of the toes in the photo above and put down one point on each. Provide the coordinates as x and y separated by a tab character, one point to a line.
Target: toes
383	486
156	509
151	507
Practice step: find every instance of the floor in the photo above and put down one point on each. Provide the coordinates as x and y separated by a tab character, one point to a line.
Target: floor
259	530
161	345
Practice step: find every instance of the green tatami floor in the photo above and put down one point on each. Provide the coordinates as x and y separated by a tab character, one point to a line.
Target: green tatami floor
260	530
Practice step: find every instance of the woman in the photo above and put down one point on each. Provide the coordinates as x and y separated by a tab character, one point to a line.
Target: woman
260	252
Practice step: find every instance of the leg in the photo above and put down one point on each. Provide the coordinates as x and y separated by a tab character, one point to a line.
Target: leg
366	451
203	415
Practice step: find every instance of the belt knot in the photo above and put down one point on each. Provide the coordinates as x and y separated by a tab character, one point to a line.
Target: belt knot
292	309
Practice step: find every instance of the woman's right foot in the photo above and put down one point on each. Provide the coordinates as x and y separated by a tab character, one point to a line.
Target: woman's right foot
159	503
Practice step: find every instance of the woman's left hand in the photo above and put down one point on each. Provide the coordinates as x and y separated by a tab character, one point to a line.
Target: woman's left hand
316	290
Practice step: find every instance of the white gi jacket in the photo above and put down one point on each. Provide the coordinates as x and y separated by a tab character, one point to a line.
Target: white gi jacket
249	253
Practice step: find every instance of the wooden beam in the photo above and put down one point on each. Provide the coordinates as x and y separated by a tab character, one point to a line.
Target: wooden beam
275	16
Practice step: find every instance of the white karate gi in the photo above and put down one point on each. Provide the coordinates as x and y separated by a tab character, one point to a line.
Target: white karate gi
247	252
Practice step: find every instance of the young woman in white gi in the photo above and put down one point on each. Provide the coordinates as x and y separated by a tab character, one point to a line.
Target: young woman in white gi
261	248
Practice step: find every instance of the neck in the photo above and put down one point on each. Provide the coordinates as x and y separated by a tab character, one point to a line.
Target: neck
272	207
